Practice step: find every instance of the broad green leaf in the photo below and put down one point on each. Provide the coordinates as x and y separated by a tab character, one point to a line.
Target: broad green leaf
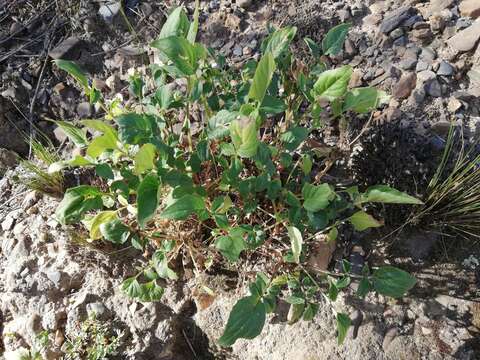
291	299
343	323
145	158
115	231
244	136
361	100
364	286
293	137
317	197
387	195
218	125
99	219
76	135
134	128
332	234
100	126
164	96
192	31
147	199
310	312
231	245
263	76
177	24
272	105
105	171
246	321
332	84
183	207
78	160
74	70
144	292
332	44
313	47
160	262
221	204
296	242
76	202
295	313
101	144
179	51
278	42
391	281
362	221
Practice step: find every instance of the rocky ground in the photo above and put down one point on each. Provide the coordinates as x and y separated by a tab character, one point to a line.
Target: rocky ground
424	53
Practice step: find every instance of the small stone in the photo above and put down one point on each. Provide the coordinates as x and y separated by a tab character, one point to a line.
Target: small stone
84	110
395	18
395	34
470	8
437	23
427	75
445	69
60	134
356	79
437	6
108	12
428	55
244	4
68	49
422	34
7	224
408	64
238	50
426	331
433	88
96	308
405	85
389	336
466	39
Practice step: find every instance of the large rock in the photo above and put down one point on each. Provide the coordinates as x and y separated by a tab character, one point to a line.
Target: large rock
466	39
470	8
395	18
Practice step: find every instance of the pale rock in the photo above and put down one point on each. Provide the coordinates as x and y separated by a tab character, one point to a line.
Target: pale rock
108	12
466	40
470	8
454	105
437	6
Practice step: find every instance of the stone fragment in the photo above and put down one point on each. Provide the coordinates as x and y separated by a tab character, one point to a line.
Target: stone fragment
470	8
437	6
404	86
466	40
445	69
395	18
69	49
433	88
108	12
389	336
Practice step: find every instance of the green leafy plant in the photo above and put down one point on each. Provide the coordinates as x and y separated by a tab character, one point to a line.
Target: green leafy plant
215	162
93	341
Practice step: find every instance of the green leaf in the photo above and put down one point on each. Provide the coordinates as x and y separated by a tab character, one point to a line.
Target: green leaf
160	262
134	128
310	312
163	96
343	323
263	76
147	199
231	245
364	287
179	51
317	197
144	292
332	44
391	281
291	299
177	24
183	207
313	47
76	135
277	43
246	321
362	221
244	136
192	31
218	125
272	105
99	219
296	242
293	137
115	231
332	84
101	144
295	313
104	171
74	70
100	126
387	195
76	202
145	158
361	100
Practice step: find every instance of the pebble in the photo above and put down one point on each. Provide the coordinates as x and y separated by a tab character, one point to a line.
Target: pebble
422	66
445	69
433	88
405	85
395	18
389	336
408	64
108	12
